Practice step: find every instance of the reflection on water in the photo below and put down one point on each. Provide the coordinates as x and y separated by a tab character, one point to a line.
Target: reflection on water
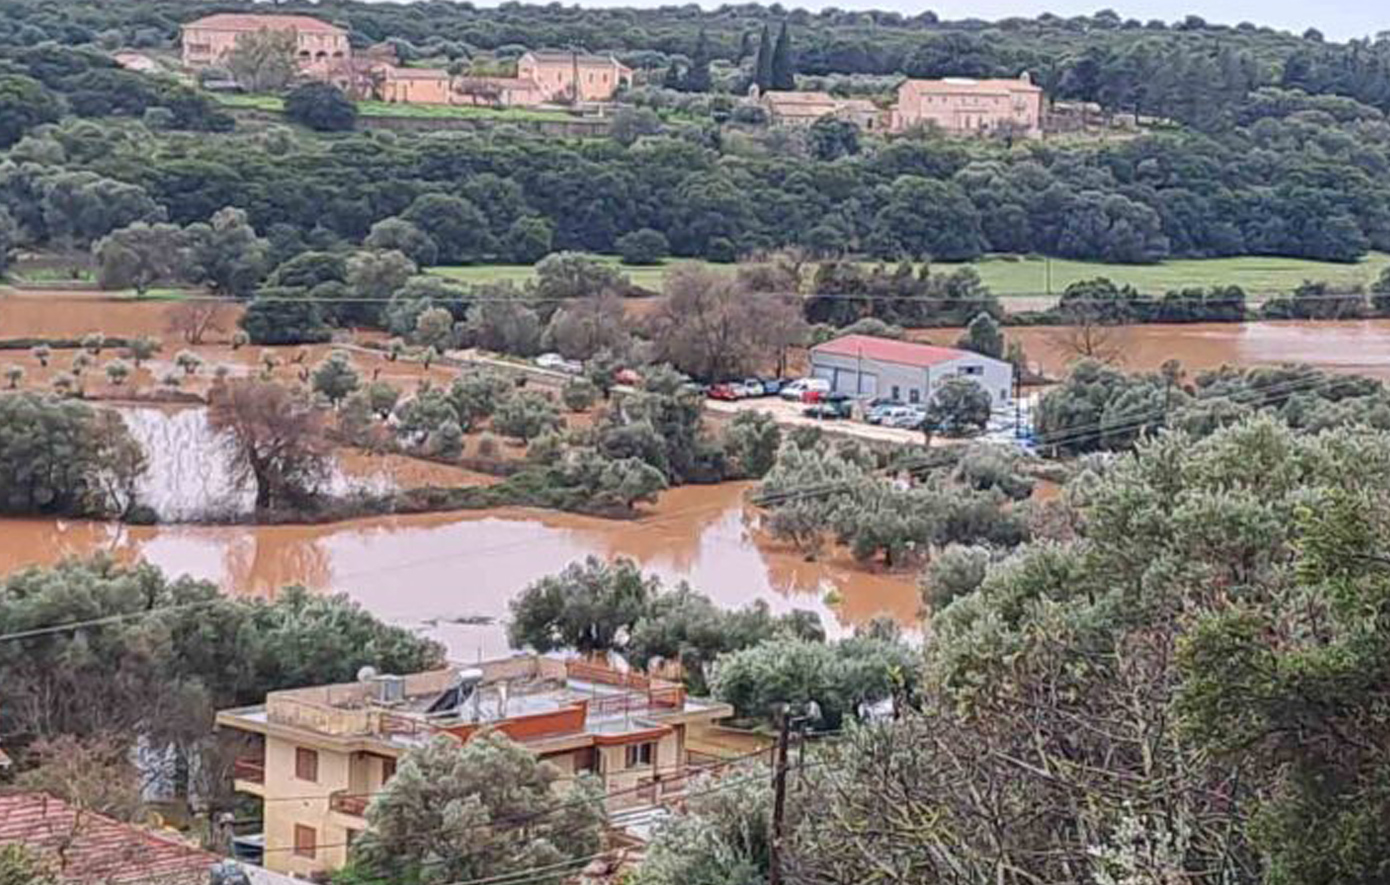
189	474
432	571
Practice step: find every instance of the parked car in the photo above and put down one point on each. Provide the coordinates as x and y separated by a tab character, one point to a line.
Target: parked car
728	391
832	406
877	410
907	418
752	387
627	376
556	363
772	386
796	391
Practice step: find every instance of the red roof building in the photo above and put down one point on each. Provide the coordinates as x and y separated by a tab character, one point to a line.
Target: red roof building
889	350
92	849
867	367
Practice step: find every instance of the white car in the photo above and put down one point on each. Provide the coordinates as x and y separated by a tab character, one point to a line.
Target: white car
556	363
797	390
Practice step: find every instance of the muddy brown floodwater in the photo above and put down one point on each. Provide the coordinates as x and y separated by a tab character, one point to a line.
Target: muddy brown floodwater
1357	346
443	573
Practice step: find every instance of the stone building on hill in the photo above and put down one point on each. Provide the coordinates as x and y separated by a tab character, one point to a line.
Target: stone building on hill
574	76
209	40
961	106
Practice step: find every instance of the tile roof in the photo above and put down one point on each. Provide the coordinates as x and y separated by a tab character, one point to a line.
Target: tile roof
907	353
394	72
967	85
98	850
229	21
552	56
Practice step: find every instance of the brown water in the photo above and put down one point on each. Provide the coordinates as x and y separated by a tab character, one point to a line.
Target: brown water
428	572
1358	346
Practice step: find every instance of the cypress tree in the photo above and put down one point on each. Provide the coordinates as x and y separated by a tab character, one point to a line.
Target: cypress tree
745	46
762	70
783	73
697	78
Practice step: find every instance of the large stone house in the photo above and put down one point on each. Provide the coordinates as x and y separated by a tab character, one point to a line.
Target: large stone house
574	76
331	748
209	40
962	106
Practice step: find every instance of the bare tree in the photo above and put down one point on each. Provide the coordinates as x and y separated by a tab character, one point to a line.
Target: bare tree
93	774
277	438
712	327
195	319
1086	337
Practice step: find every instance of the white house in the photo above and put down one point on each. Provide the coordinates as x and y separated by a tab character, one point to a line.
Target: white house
867	367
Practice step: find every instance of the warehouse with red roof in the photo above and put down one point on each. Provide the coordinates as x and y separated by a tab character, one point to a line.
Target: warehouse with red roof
868	367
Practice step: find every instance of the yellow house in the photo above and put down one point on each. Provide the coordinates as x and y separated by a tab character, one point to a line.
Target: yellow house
321	753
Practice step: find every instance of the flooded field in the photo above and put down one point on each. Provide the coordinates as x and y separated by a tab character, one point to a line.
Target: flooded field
1356	346
451	575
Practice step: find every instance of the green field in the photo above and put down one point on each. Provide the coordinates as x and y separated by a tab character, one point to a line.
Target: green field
646	277
1026	281
1258	276
275	104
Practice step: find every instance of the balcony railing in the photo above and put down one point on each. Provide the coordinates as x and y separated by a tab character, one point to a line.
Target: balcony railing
249	769
353	804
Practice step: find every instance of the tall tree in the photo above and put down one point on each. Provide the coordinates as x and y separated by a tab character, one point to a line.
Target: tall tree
783	64
762	65
264	61
697	76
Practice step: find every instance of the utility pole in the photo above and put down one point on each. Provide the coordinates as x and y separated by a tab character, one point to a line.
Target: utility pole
779	801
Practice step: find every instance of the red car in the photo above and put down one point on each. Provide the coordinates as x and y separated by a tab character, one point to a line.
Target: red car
627	376
726	391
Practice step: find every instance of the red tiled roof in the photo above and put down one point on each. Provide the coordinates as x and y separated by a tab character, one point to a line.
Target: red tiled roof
230	21
907	353
97	849
975	87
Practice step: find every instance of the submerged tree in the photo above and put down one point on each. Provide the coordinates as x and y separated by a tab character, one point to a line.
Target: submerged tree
276	440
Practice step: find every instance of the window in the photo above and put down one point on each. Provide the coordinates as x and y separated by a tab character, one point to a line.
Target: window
306	764
388	769
352	837
640	754
914	396
972	370
306	841
897	396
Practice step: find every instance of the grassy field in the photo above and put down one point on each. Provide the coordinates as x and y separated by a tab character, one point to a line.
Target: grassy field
646	277
1026	281
1256	275
275	104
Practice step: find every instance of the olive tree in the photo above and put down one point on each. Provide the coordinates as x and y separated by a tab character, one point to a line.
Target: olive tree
450	812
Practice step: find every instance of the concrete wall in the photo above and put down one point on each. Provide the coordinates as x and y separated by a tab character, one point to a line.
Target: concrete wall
869	378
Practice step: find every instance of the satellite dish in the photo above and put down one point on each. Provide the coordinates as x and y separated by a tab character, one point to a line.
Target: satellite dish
366	674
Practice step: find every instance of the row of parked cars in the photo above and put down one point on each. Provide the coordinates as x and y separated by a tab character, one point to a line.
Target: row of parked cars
798	390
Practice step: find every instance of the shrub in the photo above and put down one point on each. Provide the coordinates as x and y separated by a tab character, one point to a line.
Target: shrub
579	395
645	246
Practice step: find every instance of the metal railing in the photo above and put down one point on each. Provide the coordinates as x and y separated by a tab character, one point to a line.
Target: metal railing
353	804
249	769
